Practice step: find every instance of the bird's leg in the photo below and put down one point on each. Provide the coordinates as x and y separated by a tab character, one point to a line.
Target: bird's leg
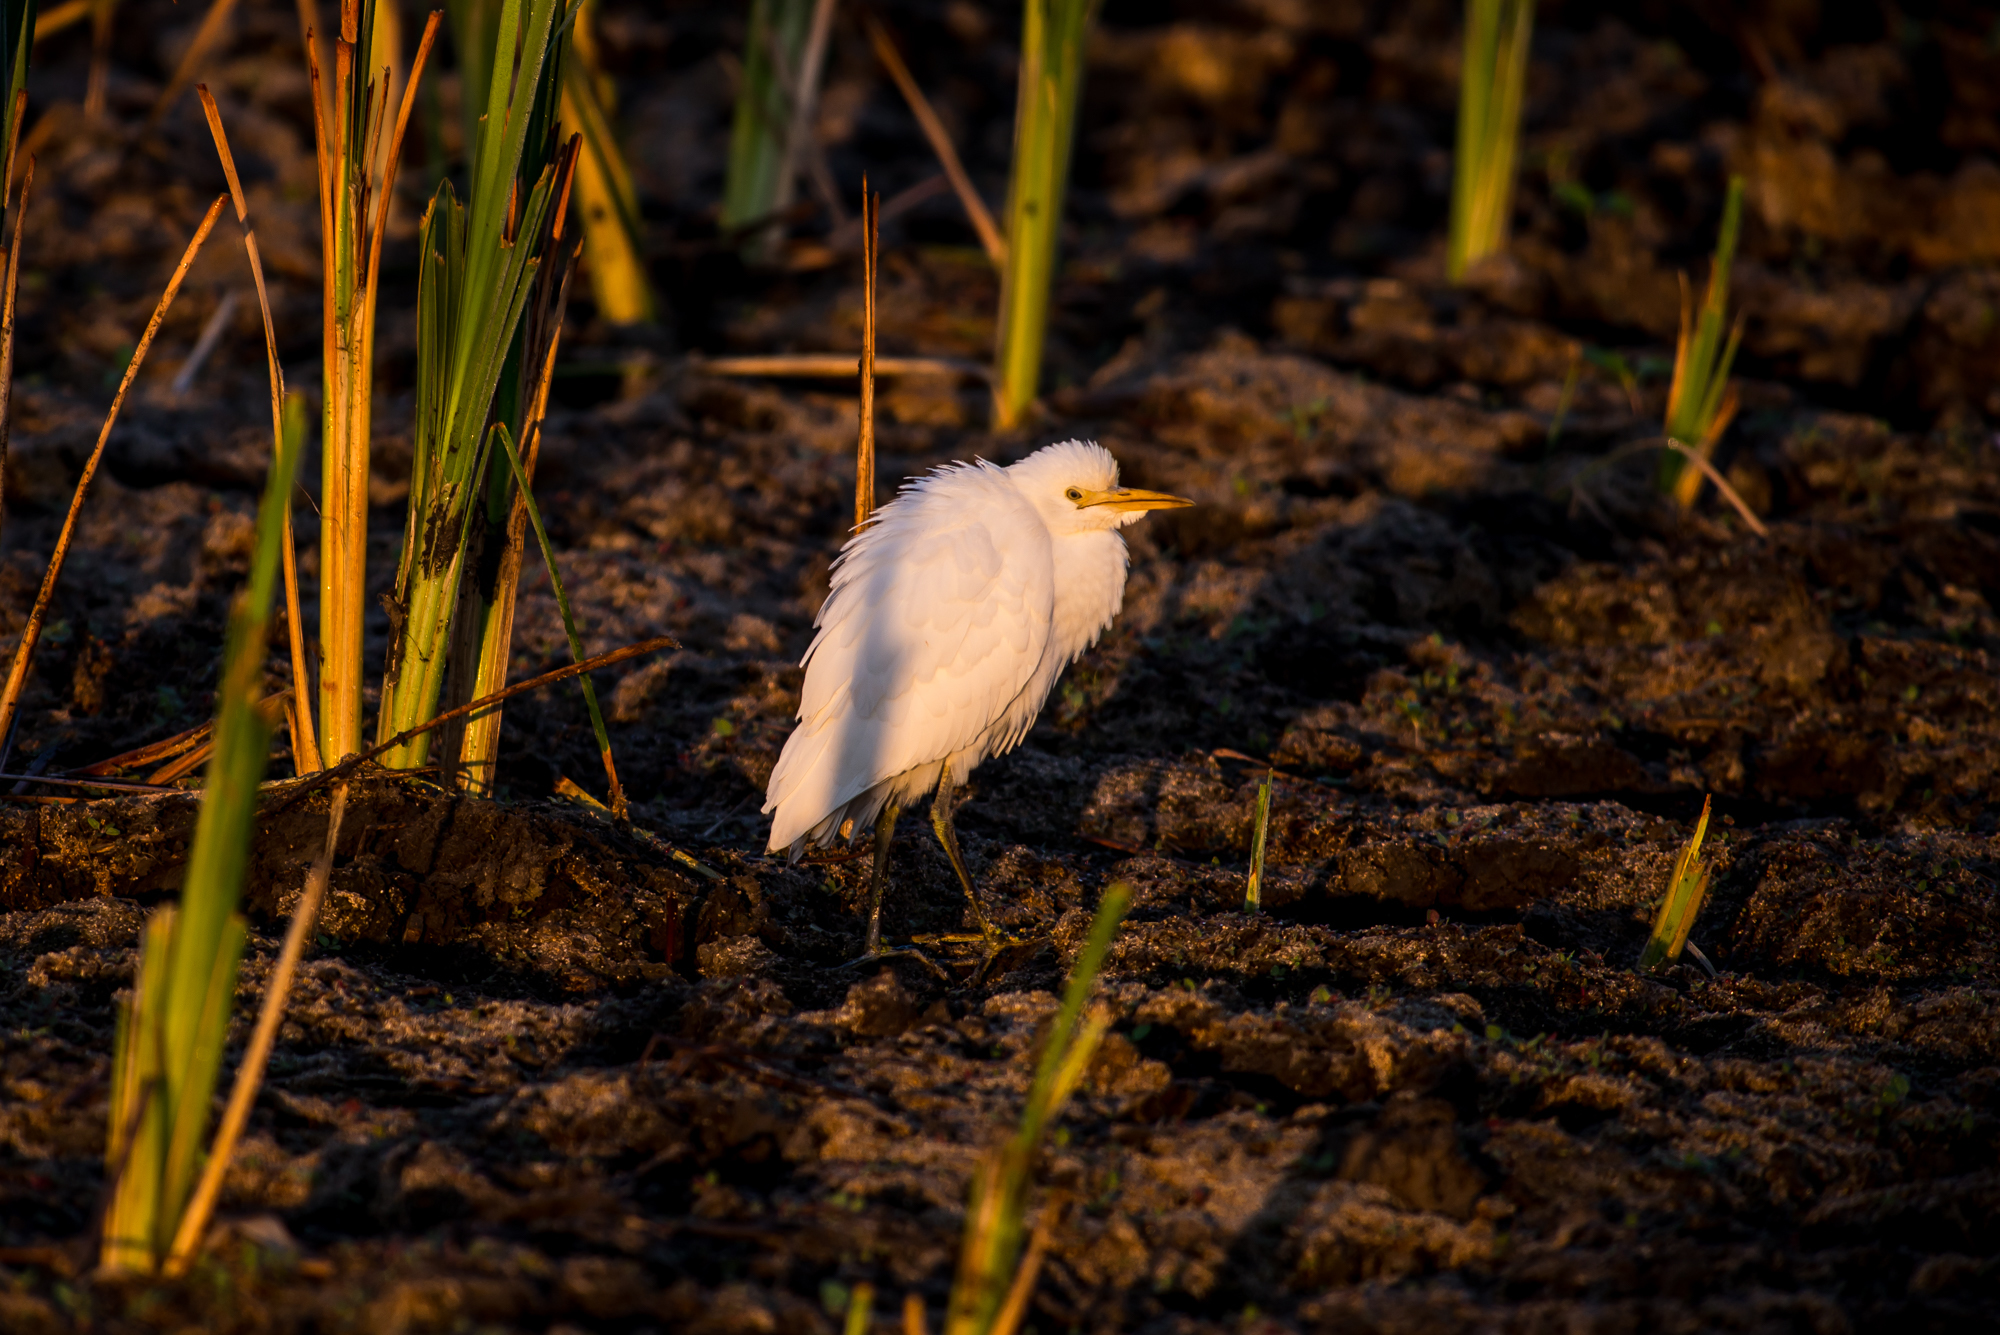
947	835
885	830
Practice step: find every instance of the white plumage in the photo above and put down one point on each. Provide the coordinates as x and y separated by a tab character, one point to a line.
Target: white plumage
951	615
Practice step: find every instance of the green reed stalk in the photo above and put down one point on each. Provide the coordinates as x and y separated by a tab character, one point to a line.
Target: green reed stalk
1051	84
170	1036
357	154
1683	901
476	275
993	1284
1701	402
772	53
1493	74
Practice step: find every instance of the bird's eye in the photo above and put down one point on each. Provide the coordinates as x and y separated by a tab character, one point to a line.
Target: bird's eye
1074	494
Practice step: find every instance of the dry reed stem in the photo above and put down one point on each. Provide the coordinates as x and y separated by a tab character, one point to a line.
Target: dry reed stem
7	329
99	80
250	1071
805	100
920	107
835	365
13	145
31	633
305	741
396	153
847	235
864	450
1008	1319
913	1315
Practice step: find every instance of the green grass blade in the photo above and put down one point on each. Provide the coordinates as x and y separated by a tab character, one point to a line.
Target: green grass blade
562	598
1253	894
1051	84
990	1250
1701	375
188	974
1493	76
763	114
1685	892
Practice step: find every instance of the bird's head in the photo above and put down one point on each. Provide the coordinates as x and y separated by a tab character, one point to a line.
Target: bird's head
1075	486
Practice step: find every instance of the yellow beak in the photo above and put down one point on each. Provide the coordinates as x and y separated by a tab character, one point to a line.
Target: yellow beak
1130	498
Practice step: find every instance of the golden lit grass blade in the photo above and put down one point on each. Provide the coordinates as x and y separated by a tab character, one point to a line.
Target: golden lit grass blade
97	85
1051	82
250	1072
24	650
993	1277
606	201
947	155
526	495
476	275
1493	75
357	164
1701	402
186	987
1683	900
772	52
1253	895
18	30
68	14
860	1310
305	741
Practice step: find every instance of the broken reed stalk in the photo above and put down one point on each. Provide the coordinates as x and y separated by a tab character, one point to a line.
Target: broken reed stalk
1051	83
947	155
1492	76
1702	402
169	1050
833	365
250	1070
305	742
476	276
775	40
607	203
864	444
356	178
1682	902
31	633
1253	894
482	634
994	1279
7	309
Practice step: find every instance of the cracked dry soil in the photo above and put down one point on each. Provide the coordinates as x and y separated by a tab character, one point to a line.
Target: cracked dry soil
541	1074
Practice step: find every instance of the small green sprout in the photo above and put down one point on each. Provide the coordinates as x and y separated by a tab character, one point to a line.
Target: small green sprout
1683	901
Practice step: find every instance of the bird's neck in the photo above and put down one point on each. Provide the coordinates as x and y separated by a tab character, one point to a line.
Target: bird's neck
1090	586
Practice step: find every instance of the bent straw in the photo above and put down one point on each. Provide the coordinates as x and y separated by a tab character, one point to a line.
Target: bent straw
31	634
305	742
834	365
250	1072
920	107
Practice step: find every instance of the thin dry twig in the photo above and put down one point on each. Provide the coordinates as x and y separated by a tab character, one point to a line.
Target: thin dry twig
920	107
250	1072
847	235
7	323
31	633
833	365
205	345
205	39
864	450
347	767
305	739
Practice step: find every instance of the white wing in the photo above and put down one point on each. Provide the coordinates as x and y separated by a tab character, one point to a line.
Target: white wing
938	618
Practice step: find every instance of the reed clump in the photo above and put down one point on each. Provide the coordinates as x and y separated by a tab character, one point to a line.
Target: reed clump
1702	401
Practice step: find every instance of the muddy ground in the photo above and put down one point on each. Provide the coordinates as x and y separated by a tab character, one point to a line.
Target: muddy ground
542	1073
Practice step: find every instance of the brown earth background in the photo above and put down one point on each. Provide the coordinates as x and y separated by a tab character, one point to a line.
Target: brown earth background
541	1075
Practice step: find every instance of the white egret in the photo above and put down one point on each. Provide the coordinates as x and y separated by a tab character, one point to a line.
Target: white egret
951	615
